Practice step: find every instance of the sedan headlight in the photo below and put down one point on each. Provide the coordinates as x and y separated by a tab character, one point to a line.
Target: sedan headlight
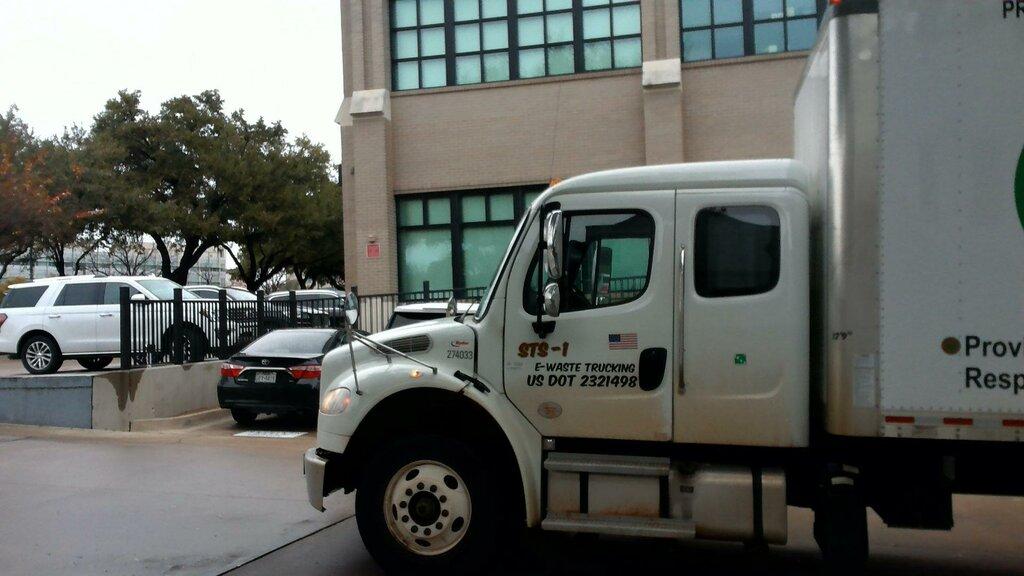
335	401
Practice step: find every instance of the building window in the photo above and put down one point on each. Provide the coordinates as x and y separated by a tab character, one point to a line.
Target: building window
737	251
455	241
714	29
446	42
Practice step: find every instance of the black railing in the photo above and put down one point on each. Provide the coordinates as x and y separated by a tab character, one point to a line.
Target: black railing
178	331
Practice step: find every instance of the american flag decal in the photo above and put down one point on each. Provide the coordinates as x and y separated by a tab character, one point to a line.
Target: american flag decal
622	341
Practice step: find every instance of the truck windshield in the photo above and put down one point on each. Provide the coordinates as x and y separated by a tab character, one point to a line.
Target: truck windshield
485	300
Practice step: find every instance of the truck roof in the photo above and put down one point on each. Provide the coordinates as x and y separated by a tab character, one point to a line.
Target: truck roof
694	175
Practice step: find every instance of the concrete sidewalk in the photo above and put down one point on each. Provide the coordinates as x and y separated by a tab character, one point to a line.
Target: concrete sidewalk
191	502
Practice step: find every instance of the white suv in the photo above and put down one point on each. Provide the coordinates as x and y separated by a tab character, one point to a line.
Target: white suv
45	321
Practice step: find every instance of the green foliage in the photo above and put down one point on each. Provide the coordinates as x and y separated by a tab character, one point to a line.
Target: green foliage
190	177
23	189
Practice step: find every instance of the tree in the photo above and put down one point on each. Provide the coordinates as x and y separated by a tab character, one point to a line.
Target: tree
127	256
273	193
318	256
23	189
159	171
76	205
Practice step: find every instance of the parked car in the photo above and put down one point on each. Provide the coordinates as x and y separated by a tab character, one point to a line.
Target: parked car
405	314
212	292
278	373
315	307
46	321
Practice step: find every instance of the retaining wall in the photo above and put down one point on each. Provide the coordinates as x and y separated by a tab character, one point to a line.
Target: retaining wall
109	400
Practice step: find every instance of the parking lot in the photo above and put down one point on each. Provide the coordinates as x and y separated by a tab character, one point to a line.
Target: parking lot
205	502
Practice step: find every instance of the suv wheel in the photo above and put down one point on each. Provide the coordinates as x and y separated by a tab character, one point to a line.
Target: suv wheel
41	355
95	362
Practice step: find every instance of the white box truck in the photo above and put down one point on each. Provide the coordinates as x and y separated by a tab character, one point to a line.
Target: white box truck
683	351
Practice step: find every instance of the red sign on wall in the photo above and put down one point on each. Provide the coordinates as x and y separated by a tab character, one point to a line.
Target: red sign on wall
373	251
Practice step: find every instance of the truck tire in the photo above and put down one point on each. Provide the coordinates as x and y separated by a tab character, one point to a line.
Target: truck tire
426	506
94	363
40	354
841	528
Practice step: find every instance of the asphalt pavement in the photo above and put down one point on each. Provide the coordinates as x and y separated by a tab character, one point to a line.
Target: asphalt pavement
83	502
206	502
987	541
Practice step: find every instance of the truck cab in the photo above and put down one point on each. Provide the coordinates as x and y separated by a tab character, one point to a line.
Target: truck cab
637	316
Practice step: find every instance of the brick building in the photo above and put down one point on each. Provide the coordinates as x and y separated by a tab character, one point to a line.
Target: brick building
456	113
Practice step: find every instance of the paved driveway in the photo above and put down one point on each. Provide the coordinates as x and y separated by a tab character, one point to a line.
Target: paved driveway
199	502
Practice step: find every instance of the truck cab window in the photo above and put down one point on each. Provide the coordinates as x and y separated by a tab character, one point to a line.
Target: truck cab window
607	261
736	251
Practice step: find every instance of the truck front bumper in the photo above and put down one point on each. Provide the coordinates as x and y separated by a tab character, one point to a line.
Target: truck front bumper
315	469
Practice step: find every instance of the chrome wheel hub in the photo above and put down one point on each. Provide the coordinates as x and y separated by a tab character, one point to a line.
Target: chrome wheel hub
38	355
427	507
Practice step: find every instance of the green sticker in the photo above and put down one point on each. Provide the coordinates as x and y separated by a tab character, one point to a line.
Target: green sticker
1018	189
740	359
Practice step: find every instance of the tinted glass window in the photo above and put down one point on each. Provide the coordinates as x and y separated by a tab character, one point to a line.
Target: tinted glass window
607	261
737	251
112	292
87	294
22	297
290	342
399	319
212	294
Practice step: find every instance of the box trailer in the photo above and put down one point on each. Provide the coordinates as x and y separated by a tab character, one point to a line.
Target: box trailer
684	351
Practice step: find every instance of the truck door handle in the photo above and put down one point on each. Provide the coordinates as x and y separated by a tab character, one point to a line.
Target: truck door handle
54	316
682	312
106	315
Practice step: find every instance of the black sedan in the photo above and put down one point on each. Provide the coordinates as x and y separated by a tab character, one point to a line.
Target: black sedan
278	373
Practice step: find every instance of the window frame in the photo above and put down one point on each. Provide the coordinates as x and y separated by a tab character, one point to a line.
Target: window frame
511	18
567	216
748	24
457	226
700	260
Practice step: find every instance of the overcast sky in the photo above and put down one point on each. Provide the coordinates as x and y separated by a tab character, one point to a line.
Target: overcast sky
60	60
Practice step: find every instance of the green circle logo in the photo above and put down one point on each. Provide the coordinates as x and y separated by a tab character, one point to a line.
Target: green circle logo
1018	188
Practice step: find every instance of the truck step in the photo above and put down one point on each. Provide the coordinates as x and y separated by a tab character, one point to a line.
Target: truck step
607	464
620	526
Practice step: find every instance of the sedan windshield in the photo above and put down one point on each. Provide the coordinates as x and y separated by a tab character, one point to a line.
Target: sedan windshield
290	343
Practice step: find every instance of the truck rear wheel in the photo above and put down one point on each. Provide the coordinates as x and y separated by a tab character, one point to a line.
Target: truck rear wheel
841	527
425	506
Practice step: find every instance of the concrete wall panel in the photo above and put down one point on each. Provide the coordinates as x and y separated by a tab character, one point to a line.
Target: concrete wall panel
516	134
59	400
740	110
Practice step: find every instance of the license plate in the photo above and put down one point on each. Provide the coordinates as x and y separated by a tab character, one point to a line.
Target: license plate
265	377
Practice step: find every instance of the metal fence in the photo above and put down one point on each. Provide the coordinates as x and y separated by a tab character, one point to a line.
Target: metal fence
177	331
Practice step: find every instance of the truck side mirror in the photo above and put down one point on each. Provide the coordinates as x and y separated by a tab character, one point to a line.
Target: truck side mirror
552	299
352	308
553	240
138	297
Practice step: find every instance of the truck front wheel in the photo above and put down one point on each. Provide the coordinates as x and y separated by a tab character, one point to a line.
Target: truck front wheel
425	505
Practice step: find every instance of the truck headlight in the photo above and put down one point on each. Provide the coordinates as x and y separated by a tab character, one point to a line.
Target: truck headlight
335	401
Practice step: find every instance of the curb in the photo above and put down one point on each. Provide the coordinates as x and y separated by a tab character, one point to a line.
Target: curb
190	420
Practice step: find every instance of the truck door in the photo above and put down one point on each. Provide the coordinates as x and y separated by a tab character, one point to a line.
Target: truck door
603	371
741	317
